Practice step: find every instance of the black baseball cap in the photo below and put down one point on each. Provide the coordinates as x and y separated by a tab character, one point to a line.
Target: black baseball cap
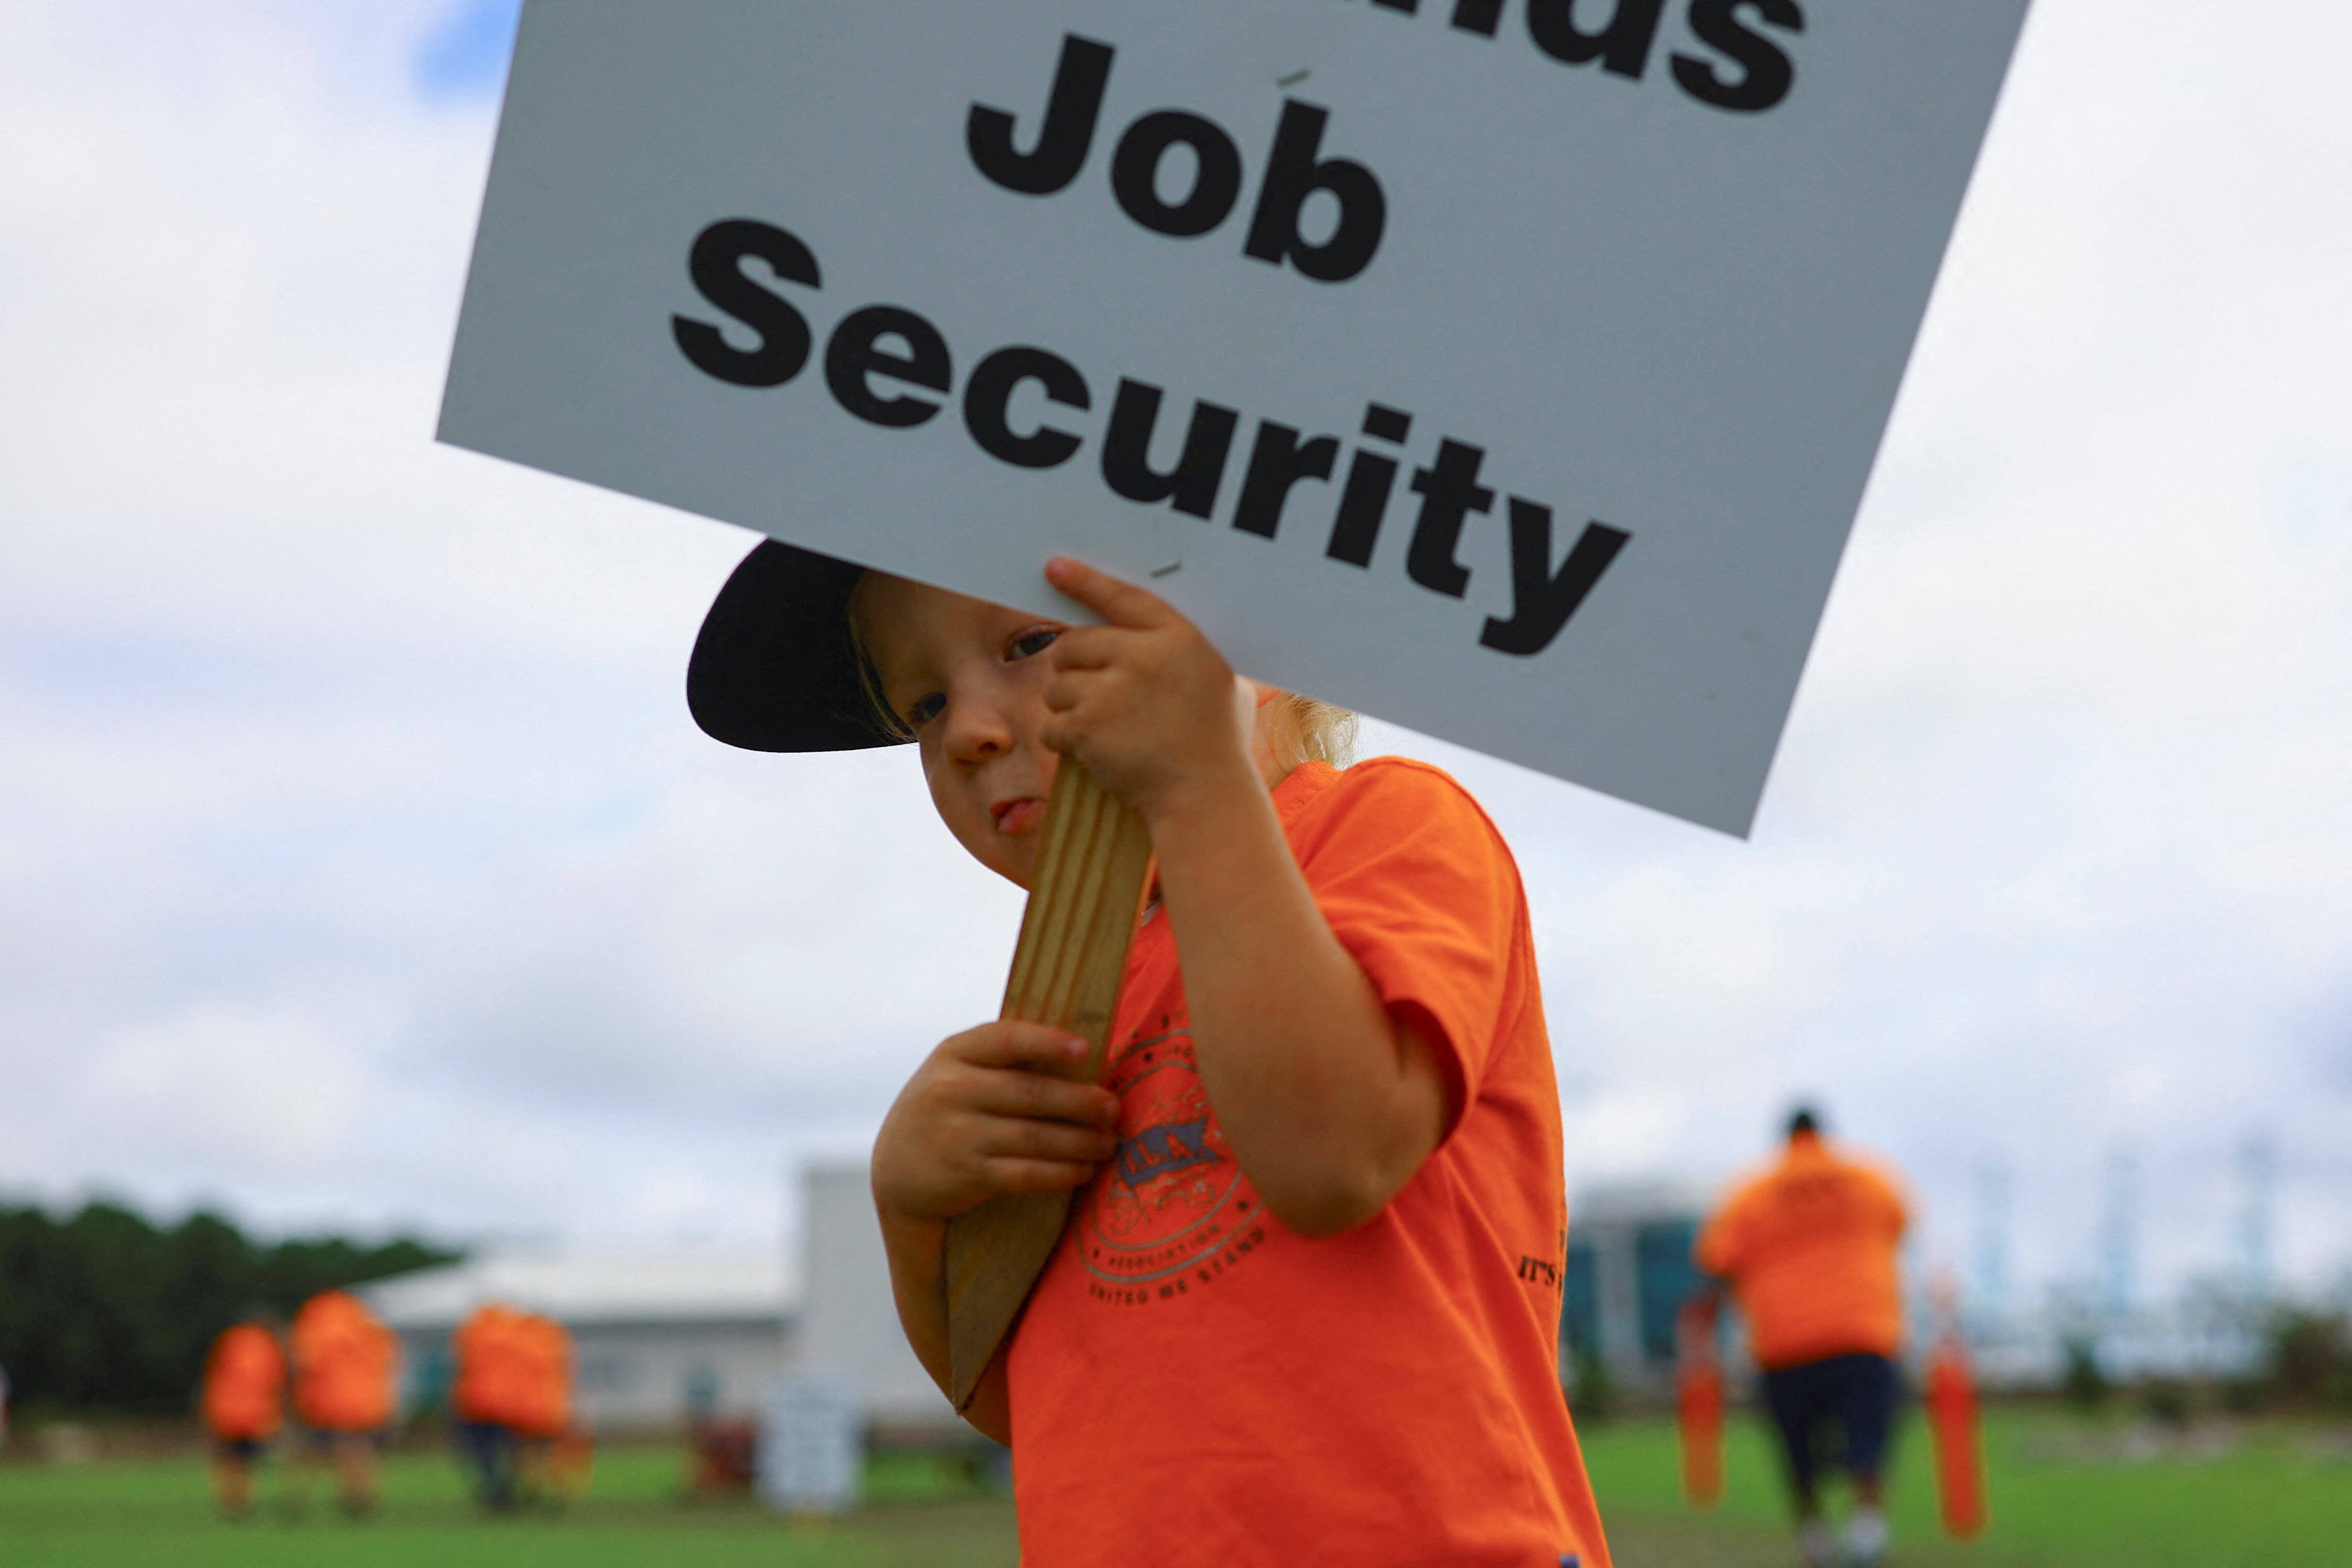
774	667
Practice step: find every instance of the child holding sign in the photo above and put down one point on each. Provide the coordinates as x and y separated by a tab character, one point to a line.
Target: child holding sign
1306	1306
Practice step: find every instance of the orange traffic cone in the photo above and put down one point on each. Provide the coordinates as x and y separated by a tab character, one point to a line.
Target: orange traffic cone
1952	1420
1698	1404
1960	1445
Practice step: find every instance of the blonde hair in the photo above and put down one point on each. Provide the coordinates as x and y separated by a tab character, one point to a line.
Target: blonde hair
881	715
1300	729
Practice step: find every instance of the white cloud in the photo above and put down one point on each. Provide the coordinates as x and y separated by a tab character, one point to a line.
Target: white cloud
223	1087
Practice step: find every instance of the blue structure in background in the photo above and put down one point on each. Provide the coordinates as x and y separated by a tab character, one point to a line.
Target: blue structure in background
1628	1273
1579	1311
1667	1277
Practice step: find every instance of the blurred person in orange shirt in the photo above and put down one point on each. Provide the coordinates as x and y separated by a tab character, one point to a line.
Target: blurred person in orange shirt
345	1362
556	1446
244	1389
483	1393
512	1399
1808	1247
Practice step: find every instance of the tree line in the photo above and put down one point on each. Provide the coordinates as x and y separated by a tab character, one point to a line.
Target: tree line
104	1310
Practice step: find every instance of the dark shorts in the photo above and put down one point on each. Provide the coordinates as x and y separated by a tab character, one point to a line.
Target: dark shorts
1842	1408
242	1449
492	1451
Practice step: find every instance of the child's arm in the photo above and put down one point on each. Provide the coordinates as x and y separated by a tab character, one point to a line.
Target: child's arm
1330	1105
974	1121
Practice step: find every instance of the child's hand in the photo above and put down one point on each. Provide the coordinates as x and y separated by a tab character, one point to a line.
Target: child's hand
1145	702
984	1114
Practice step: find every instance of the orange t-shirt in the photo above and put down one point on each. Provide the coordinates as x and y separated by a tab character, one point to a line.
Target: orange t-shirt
243	1376
343	1362
1193	1384
513	1369
493	1370
1809	1247
546	1387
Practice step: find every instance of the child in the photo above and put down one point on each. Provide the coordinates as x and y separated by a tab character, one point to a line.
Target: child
1305	1307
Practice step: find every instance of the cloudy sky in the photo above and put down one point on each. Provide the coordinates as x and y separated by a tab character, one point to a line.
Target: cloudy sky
361	868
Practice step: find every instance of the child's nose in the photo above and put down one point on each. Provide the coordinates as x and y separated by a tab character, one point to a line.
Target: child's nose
977	730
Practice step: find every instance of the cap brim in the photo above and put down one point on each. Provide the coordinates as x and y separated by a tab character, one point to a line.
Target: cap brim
774	668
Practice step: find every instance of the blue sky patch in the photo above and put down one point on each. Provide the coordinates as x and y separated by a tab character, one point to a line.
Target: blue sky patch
466	54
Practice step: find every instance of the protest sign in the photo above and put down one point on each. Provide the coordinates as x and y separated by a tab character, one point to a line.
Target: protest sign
1508	369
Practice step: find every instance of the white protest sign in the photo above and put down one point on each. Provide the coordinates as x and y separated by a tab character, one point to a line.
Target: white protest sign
1510	368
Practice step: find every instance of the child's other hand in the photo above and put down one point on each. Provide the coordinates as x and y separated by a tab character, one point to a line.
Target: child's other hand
985	1115
1145	701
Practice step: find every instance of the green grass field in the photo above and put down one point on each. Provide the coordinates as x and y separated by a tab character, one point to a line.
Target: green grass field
2065	1494
158	1513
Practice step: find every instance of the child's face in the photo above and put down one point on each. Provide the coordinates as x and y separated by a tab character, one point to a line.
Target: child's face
966	677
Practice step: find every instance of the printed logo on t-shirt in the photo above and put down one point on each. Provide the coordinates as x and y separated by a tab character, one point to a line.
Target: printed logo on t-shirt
1172	1212
1545	1274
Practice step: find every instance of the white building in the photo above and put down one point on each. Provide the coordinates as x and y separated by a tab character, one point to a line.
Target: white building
658	1336
661	1337
848	1332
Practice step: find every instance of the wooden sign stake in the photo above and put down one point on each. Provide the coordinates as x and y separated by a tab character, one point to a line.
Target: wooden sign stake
1093	856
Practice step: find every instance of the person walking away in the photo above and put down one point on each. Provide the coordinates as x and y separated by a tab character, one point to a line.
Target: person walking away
1808	1248
345	1362
245	1383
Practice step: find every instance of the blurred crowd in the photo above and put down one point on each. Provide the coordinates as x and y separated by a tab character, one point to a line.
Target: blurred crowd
322	1392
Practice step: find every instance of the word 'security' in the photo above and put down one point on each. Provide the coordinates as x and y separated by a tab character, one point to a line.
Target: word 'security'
881	361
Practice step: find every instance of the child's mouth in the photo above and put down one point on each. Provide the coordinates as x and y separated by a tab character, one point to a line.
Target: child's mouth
1014	818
